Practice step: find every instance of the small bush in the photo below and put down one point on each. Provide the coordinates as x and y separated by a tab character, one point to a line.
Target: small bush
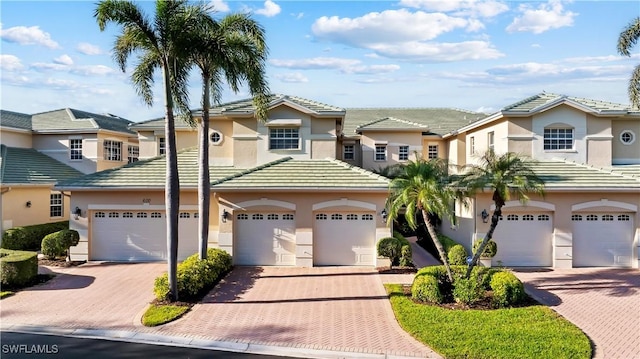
507	289
490	250
467	291
195	275
18	268
58	243
390	247
406	256
30	237
426	288
447	243
457	255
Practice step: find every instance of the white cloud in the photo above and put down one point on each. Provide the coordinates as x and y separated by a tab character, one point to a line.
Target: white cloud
95	70
46	66
298	16
389	26
346	66
88	49
219	6
28	36
61	84
473	8
63	60
10	63
438	52
547	16
293	77
371	69
270	9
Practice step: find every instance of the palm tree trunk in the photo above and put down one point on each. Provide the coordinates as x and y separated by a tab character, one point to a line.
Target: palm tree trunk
494	223
172	189
436	242
204	182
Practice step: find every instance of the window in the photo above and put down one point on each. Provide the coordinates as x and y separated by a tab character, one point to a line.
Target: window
592	217
607	217
321	217
512	217
243	216
490	140
576	217
272	217
558	138
432	152
112	150
162	146
381	153
184	215
403	153
287	217
114	215
133	152
352	217
543	217
527	217
348	153
75	149
99	215
141	215
216	138
196	215
127	215
472	145
367	217
336	217
55	204
156	215
257	217
284	139
623	217
627	137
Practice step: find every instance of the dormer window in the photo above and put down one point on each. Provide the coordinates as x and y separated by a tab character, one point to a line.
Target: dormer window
558	139
284	138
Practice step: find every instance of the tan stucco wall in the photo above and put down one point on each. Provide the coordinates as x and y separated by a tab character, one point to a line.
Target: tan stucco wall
323	126
598	141
500	128
621	153
15	213
561	116
520	136
57	147
103	164
221	154
433	141
393	140
18	139
323	149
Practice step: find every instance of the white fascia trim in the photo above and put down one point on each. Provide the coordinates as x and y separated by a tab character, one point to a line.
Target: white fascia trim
344	202
265	202
284	122
303	189
538	204
598	137
118	207
521	137
471	126
605	203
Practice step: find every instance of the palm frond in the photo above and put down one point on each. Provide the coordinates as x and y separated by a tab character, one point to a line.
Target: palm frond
629	36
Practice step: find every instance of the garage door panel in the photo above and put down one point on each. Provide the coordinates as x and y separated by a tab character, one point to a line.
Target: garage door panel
602	240
265	239
344	239
524	240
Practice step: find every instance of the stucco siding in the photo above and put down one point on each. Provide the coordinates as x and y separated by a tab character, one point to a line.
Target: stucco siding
15	212
392	141
16	139
561	117
625	153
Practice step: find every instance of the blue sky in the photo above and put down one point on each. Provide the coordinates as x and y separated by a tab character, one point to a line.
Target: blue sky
474	55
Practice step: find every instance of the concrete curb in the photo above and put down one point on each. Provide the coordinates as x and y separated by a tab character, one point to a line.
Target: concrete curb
229	346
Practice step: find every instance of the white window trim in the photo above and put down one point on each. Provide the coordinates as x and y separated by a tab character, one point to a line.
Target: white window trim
104	150
298	148
633	137
160	149
375	152
61	205
560	127
216	143
400	153
81	148
353	152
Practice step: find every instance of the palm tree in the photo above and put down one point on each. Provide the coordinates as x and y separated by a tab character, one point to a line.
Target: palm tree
422	186
161	43
234	49
505	175
628	38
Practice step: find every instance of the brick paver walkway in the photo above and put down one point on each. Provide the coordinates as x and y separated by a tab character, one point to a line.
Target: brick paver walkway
603	302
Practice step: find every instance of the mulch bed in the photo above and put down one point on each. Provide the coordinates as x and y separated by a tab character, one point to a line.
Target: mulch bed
397	270
59	263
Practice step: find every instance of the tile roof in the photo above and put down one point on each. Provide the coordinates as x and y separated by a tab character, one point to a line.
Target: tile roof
390	123
71	119
544	99
15	120
627	170
28	166
437	120
565	175
284	173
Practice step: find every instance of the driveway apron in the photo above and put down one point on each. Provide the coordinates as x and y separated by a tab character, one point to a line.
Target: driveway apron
603	302
331	308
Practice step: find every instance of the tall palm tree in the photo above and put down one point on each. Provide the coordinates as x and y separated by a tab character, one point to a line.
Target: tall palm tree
505	175
422	186
627	39
161	44
234	50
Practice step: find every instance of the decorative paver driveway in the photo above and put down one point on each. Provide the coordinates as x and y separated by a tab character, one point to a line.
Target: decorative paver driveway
335	308
603	302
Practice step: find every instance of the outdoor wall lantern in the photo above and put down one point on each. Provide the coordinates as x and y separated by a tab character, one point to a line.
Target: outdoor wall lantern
383	214
77	213
28	204
224	216
485	216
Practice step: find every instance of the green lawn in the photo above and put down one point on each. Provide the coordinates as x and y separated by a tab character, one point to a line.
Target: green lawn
528	332
5	294
158	314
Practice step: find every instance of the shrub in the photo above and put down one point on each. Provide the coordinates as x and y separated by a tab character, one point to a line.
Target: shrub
507	289
196	276
57	244
457	255
406	256
467	291
30	237
426	288
447	243
490	250
18	268
390	247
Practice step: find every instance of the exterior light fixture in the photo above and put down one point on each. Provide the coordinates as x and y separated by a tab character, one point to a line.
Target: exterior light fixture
485	216
383	214
77	213
28	204
224	216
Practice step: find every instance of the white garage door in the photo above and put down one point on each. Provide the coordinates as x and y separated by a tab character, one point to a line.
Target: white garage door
139	235
265	239
602	240
524	240
344	239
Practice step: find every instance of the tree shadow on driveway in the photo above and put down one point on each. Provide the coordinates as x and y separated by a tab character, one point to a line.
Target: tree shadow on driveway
236	283
64	281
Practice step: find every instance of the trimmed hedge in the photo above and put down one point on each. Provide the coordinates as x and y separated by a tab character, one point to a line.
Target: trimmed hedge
397	249
17	268
196	276
457	255
57	244
507	289
30	237
490	250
